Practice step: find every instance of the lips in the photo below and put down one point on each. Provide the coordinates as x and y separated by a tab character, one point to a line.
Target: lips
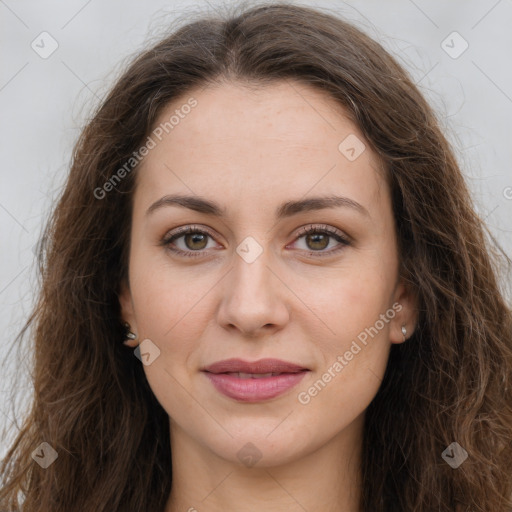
254	381
241	375
262	366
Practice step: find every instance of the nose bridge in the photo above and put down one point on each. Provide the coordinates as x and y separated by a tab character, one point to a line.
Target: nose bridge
252	296
251	277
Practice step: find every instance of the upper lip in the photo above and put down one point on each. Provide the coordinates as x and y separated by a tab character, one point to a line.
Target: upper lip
261	366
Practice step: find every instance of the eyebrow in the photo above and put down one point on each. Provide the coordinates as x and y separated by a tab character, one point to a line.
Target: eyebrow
287	209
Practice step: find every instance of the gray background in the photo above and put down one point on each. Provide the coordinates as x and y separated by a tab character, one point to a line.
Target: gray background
45	101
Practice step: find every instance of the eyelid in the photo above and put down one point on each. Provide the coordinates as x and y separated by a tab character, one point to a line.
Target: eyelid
174	234
331	230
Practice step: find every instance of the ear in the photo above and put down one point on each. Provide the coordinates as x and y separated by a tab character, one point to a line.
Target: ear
405	305
127	311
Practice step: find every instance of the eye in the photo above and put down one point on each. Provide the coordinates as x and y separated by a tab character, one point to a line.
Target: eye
193	243
318	238
194	240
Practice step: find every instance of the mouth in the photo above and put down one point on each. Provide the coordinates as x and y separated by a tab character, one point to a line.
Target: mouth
260	367
241	375
254	381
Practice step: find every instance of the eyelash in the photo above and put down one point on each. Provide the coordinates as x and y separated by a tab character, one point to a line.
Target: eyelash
344	241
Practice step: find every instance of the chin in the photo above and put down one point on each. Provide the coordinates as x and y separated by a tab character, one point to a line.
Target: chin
258	446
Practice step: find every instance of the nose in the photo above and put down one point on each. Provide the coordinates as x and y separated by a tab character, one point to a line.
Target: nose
254	298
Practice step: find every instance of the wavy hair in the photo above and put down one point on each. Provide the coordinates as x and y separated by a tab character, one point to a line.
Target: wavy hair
451	382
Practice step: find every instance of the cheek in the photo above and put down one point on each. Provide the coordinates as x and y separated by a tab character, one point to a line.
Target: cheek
168	308
166	299
356	351
355	302
354	354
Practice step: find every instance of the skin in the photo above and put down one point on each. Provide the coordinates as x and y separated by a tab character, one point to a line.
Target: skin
251	150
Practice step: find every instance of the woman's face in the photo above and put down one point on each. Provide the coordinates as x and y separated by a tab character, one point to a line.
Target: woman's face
250	284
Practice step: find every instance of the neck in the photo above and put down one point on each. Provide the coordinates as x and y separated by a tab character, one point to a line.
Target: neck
326	479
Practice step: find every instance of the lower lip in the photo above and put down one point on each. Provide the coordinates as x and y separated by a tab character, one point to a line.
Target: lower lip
254	390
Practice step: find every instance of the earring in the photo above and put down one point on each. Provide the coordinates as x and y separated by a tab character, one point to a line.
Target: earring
404	331
129	334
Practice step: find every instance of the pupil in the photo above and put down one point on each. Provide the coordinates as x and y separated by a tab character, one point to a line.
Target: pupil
315	237
194	237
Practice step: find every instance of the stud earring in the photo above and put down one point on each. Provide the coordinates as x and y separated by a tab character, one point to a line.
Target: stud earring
129	334
404	331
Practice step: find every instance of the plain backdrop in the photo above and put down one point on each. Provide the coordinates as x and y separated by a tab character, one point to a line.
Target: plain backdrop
45	100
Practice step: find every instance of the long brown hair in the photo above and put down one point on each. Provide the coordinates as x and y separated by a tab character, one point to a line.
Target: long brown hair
451	382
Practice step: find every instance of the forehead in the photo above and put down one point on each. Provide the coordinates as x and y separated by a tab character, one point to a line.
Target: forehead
245	145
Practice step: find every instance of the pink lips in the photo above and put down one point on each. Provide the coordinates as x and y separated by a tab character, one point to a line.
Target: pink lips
254	381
